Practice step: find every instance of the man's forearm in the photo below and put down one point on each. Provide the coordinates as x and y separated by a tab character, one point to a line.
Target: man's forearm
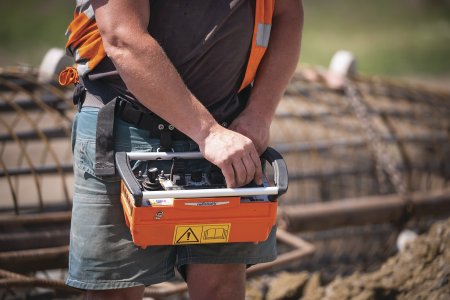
280	60
149	74
162	89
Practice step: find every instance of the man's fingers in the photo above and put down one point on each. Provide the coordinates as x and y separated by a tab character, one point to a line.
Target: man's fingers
228	173
249	167
258	168
240	172
235	154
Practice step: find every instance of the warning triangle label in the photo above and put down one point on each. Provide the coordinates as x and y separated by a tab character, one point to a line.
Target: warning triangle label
201	234
188	237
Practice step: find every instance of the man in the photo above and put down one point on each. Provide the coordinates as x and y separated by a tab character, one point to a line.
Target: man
190	63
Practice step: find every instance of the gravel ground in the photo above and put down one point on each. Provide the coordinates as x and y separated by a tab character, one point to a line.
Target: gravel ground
420	271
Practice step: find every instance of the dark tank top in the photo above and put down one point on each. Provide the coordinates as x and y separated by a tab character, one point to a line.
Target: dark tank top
208	42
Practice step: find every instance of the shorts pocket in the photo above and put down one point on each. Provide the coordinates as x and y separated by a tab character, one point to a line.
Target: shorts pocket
84	160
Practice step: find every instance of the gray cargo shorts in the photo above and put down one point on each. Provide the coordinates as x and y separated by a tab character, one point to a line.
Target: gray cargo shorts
102	253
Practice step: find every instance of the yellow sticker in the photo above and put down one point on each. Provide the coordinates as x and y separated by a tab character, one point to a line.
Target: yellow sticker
187	234
201	234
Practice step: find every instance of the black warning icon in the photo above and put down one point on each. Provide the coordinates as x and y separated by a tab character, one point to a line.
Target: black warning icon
188	237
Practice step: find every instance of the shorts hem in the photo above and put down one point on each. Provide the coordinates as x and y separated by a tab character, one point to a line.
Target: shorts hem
113	284
226	260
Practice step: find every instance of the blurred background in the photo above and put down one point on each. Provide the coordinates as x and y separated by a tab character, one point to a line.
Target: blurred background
368	157
407	38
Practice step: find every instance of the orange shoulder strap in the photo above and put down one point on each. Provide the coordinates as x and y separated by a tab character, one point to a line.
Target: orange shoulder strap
84	41
260	41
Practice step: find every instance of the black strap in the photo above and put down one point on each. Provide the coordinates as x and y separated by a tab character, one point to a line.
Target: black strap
79	94
104	145
165	141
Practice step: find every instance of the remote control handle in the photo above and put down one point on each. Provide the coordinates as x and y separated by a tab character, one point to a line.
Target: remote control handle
270	155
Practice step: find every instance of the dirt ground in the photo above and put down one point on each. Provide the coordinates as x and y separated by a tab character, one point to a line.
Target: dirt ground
420	271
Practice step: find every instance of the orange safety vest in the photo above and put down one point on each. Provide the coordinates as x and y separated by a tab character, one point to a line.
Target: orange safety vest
85	43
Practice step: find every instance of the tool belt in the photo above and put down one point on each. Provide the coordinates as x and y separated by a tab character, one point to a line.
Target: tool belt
136	115
130	112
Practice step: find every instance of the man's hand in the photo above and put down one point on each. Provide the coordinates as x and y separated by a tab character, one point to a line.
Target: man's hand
234	154
254	128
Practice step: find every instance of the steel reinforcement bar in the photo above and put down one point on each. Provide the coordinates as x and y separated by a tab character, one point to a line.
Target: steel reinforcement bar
363	211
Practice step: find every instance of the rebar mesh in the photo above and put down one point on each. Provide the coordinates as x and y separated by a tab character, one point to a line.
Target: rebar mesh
329	154
316	129
374	137
35	156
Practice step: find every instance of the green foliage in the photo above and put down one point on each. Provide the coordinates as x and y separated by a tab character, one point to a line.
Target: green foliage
29	28
403	37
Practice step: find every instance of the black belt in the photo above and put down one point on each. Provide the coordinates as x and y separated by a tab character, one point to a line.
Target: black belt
132	113
140	118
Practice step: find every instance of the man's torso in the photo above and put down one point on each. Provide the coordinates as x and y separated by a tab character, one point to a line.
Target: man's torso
208	42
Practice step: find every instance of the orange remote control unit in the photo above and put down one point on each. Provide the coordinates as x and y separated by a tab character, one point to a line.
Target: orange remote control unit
196	207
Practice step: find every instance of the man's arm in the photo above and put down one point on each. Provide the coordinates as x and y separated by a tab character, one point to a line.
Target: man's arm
274	73
152	78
